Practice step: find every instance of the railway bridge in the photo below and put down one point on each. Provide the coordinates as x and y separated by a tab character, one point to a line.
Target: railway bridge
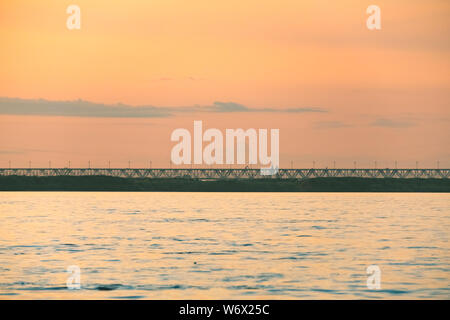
231	173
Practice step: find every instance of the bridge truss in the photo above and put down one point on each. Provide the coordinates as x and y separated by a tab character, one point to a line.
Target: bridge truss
216	173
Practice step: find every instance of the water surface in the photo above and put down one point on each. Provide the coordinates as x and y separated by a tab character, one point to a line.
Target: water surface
224	245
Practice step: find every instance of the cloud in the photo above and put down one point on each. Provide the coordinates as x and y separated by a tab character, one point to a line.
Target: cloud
22	151
81	108
331	125
77	108
228	107
301	110
236	107
389	123
11	152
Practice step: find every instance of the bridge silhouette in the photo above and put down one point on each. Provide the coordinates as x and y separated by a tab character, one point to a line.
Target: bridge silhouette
231	173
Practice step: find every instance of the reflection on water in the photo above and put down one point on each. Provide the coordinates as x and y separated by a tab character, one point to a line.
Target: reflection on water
223	245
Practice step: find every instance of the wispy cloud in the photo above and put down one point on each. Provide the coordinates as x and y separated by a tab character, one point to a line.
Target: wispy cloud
389	123
219	106
77	108
226	107
11	152
81	108
236	107
22	151
331	125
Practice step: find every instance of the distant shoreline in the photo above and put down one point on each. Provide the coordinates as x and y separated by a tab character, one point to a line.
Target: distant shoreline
329	184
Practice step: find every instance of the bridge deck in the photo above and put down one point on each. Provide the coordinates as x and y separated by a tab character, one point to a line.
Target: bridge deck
215	173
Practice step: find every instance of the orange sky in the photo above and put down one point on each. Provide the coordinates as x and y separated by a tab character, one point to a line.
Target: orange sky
386	92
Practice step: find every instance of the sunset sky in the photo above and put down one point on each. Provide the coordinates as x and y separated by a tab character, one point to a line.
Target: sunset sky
311	68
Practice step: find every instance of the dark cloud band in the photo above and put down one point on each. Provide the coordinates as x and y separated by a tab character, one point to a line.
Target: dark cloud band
81	108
